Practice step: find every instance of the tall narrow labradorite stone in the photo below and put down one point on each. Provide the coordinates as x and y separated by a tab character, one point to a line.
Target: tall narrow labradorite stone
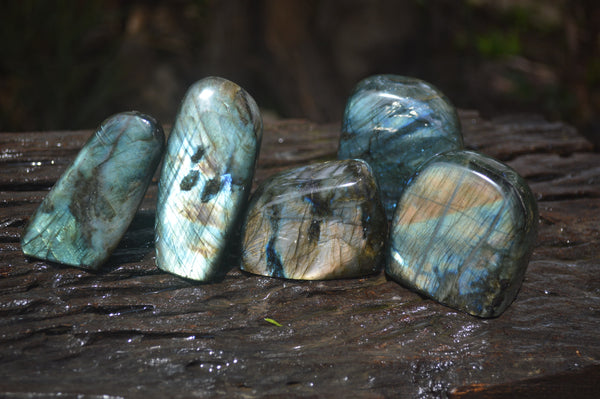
82	219
396	123
206	177
463	233
320	221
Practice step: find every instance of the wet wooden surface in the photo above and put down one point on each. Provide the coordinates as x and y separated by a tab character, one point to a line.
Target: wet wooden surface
131	330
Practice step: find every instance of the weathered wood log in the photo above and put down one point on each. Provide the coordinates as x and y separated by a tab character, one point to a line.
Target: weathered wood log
131	330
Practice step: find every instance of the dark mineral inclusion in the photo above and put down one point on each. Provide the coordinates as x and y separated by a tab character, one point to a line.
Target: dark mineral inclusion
396	123
82	219
463	233
206	177
320	221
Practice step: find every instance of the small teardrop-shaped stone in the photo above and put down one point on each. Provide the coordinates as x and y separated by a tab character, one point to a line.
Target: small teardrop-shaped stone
206	177
320	221
84	216
396	123
463	233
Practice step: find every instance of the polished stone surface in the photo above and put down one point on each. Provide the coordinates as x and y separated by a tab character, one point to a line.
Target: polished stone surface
463	233
320	221
396	123
206	177
82	219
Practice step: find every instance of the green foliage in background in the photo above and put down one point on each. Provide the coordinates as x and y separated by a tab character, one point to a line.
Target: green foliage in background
69	64
498	43
59	70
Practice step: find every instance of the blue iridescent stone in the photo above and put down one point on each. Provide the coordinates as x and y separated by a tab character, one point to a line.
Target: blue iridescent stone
320	221
463	233
206	177
84	216
396	123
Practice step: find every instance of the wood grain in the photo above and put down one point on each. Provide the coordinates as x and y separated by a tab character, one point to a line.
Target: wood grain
130	330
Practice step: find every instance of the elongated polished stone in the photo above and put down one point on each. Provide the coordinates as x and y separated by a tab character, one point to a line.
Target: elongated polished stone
396	123
463	233
321	221
206	177
82	219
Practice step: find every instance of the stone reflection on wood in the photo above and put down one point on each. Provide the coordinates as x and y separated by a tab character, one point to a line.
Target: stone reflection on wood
82	219
321	221
463	233
206	177
396	123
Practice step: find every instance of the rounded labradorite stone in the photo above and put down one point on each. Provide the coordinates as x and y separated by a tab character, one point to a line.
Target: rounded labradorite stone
320	221
463	233
396	123
84	216
206	177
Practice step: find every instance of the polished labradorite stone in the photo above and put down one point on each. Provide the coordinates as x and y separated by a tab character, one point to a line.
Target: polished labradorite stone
463	233
206	177
396	123
321	221
82	219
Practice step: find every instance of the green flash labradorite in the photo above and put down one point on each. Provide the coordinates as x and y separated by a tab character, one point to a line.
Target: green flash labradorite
84	216
463	233
206	177
316	222
396	123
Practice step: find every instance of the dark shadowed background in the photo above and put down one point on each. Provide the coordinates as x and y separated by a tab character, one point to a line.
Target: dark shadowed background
70	64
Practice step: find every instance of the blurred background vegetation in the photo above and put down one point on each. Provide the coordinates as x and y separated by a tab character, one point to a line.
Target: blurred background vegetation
68	64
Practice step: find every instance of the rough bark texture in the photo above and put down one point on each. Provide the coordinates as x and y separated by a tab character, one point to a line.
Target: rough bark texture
131	330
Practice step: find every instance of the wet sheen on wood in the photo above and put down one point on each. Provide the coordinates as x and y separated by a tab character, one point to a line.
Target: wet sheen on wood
132	330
